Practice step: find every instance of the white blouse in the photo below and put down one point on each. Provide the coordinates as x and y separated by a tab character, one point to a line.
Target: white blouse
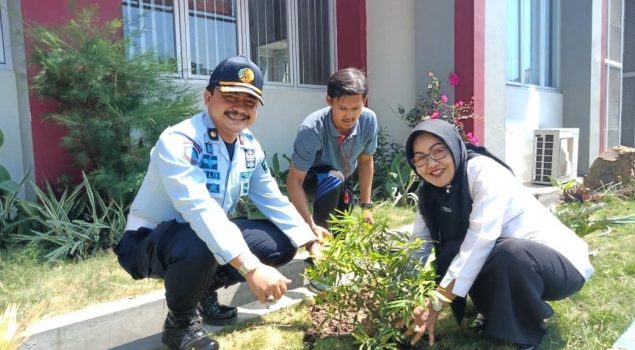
502	207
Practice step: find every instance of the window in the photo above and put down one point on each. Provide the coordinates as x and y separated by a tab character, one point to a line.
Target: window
4	36
613	67
533	44
291	40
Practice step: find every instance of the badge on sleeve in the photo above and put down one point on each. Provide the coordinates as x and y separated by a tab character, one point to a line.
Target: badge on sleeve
250	158
264	166
192	152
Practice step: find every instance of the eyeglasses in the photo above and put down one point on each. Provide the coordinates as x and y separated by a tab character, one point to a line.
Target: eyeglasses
421	159
234	99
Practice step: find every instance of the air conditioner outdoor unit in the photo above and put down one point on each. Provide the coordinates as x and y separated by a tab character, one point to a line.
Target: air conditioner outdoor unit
555	154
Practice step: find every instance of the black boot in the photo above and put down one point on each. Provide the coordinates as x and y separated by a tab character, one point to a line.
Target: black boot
214	313
184	331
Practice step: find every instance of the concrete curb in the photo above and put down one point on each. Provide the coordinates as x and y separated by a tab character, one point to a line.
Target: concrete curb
132	321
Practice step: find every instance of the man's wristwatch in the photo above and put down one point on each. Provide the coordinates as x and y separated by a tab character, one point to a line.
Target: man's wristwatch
368	206
249	264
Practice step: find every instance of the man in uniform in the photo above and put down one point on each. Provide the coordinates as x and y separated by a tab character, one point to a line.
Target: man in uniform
178	228
329	145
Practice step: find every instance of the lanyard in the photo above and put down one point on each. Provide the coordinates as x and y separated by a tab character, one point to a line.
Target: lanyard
346	155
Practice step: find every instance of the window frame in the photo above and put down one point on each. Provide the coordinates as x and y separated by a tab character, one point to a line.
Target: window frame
183	45
542	42
612	64
5	38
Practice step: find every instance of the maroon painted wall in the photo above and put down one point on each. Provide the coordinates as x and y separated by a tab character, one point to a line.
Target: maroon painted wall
351	34
469	59
50	159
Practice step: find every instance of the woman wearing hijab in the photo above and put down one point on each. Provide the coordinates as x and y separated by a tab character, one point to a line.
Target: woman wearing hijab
493	240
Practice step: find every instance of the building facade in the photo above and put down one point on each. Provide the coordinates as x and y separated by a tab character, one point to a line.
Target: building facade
528	64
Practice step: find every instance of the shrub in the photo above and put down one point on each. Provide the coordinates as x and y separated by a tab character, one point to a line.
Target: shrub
114	107
374	278
434	105
76	225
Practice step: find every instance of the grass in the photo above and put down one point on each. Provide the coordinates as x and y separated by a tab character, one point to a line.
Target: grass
592	319
52	289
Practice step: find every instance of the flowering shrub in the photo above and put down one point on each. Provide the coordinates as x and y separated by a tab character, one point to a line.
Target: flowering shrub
434	105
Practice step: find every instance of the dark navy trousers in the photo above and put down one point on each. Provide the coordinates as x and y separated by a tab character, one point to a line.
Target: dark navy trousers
330	193
173	252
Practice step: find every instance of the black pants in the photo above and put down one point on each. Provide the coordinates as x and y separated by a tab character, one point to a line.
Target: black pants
510	291
173	252
327	186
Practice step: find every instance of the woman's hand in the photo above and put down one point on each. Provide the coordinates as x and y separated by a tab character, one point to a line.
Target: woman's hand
423	319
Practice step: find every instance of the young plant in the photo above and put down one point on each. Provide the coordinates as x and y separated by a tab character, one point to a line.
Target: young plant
401	181
376	281
578	217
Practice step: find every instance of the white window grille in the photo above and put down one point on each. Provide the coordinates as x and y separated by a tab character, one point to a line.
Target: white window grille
291	40
555	155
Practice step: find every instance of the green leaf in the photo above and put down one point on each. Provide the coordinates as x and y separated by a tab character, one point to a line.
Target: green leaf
10	186
4	174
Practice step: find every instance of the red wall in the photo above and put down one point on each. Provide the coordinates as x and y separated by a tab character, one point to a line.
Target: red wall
469	59
351	34
50	159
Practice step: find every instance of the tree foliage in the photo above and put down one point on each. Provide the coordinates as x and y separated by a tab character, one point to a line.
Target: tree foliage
113	106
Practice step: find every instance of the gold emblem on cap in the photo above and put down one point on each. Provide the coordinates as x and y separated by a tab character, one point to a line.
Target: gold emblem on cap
246	75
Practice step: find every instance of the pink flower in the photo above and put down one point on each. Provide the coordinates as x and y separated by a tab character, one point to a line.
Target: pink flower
472	138
453	79
435	114
444	99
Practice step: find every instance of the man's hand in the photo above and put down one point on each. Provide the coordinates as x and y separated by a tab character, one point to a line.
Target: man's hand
315	249
320	232
368	216
265	282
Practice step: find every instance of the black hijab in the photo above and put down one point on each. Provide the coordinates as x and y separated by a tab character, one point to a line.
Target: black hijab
446	210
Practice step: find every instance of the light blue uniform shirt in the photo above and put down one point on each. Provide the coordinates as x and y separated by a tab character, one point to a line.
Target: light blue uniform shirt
191	179
316	143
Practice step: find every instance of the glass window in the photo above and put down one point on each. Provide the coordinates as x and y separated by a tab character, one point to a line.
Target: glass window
533	29
3	58
314	41
269	41
290	40
149	24
513	41
213	33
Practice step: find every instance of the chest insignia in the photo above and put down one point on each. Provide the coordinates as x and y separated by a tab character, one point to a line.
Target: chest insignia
250	158
209	162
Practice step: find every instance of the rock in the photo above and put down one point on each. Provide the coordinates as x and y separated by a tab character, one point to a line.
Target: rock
615	165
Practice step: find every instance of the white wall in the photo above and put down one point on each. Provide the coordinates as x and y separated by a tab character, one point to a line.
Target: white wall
528	109
434	43
495	82
15	118
392	71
